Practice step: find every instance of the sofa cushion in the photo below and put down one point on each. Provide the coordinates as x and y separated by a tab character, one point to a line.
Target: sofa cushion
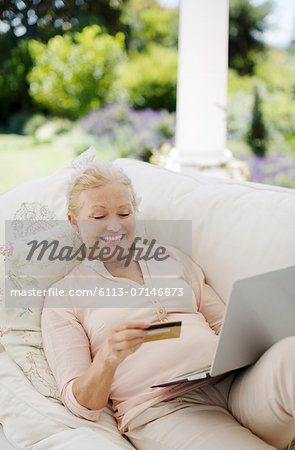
32	421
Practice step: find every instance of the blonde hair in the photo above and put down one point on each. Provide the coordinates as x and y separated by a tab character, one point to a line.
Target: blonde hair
95	175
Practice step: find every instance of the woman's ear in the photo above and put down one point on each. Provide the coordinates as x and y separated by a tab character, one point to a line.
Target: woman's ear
73	222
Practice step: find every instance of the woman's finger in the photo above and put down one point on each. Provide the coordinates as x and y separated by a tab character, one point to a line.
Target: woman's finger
135	324
125	345
127	335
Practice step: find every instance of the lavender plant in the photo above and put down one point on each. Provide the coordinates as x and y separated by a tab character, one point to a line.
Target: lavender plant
122	131
276	169
132	133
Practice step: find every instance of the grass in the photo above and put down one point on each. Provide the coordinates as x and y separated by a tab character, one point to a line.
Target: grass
21	159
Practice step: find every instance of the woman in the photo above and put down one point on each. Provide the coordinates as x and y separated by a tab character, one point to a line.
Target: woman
97	351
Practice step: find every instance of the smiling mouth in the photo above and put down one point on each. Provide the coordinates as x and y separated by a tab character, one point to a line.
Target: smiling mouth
117	238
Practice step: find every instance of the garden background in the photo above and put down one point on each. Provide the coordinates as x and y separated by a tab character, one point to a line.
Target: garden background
75	73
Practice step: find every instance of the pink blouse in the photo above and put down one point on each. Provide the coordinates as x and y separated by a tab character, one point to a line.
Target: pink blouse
74	327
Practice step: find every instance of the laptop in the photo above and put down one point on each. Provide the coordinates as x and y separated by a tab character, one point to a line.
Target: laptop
260	312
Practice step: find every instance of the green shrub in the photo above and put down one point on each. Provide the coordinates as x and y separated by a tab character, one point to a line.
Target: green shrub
33	123
239	104
52	128
149	79
148	25
14	66
277	70
275	75
74	73
17	122
279	112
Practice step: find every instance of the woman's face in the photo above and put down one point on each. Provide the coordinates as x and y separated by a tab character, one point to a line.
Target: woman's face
106	218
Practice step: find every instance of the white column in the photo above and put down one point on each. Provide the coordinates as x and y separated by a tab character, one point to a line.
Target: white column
202	84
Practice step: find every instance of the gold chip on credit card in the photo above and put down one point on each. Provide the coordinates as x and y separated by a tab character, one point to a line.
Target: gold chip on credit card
166	330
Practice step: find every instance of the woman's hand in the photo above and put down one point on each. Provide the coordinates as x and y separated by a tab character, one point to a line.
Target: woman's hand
92	389
123	340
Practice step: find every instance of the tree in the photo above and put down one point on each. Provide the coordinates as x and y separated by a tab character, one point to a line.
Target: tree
145	21
45	18
257	134
72	74
150	25
14	65
246	24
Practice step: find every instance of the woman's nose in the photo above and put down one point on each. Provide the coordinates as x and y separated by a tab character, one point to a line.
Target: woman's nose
113	225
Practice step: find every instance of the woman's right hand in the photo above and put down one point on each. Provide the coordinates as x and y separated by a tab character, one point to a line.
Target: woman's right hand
123	340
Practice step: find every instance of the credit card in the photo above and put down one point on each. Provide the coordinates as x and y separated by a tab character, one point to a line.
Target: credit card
166	330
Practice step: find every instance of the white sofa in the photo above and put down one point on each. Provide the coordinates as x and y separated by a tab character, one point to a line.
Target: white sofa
239	229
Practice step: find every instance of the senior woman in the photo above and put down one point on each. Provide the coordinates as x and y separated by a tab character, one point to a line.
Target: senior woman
97	353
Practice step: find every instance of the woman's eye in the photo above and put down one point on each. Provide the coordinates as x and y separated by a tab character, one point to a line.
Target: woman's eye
102	217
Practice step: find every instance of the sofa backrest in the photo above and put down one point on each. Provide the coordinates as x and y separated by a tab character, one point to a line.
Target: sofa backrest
239	228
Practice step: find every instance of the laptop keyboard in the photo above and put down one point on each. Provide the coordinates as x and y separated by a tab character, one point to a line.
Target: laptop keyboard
198	371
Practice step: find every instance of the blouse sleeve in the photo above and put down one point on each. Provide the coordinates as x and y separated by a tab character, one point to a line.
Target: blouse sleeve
66	348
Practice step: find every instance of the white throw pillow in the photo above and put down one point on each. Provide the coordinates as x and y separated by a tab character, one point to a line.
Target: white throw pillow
21	319
33	207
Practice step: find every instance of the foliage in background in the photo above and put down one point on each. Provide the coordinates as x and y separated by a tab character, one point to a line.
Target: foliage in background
277	169
257	134
116	130
278	105
65	81
149	79
277	70
131	133
239	104
46	18
246	24
279	113
146	22
74	74
291	48
146	25
14	66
